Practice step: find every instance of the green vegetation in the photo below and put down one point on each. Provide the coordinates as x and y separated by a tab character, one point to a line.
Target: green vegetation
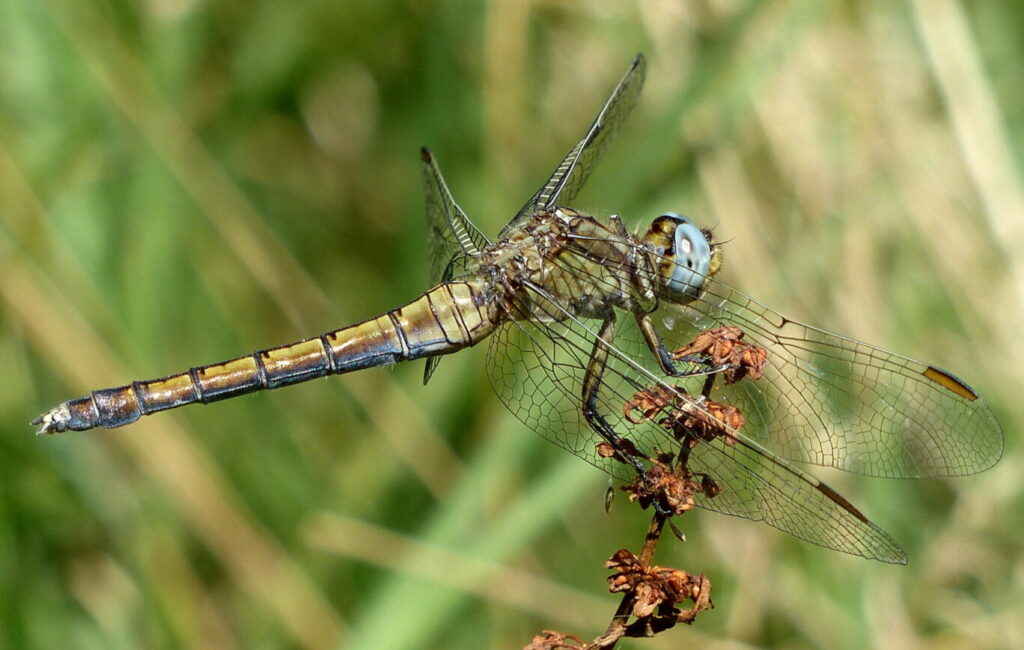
182	182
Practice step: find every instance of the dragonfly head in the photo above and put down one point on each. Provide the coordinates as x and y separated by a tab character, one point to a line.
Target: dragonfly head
684	254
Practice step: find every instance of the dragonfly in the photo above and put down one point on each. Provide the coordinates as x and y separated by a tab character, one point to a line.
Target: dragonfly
609	343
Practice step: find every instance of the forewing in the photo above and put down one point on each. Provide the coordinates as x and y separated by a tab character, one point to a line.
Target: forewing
537	369
453	242
836	402
574	170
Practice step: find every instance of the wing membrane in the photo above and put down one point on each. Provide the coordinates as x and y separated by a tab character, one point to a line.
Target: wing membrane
537	369
574	170
837	402
452	240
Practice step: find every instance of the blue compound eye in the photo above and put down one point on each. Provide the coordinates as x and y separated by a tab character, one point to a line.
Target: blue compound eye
692	258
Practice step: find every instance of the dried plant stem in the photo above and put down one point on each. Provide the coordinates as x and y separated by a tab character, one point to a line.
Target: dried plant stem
618	626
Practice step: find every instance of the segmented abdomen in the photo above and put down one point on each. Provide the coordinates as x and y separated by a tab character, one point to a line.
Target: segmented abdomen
445	319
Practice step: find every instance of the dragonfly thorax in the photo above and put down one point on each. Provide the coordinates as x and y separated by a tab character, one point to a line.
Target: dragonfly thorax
683	254
565	258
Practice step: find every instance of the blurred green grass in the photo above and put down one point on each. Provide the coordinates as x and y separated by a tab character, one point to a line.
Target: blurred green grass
182	182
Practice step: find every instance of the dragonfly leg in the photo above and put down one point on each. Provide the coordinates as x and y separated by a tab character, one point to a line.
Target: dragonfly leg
658	348
665	360
707	370
591	388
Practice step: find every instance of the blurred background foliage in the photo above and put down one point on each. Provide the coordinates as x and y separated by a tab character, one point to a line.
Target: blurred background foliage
184	181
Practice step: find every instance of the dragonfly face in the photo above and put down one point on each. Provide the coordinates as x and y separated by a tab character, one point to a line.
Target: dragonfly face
686	257
582	352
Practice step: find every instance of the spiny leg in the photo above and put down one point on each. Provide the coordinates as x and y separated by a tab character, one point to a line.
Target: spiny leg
591	387
665	360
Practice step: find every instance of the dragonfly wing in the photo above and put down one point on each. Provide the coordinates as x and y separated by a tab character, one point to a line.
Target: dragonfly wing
756	485
537	372
574	170
453	242
837	402
537	369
